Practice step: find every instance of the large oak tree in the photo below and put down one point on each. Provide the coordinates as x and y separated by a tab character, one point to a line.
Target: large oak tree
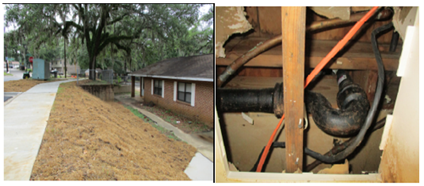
125	26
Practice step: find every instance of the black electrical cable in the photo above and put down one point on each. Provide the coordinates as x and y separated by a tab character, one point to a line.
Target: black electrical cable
274	144
340	147
335	149
371	113
394	41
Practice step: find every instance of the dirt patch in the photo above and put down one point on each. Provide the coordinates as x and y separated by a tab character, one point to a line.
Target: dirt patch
88	139
22	85
183	123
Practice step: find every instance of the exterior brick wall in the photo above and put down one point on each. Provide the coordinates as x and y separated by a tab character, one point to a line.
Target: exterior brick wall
203	104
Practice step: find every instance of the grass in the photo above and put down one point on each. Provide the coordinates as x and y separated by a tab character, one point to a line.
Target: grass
169	134
7	74
60	90
186	124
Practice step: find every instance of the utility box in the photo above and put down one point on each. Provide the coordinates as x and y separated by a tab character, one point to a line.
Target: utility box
40	69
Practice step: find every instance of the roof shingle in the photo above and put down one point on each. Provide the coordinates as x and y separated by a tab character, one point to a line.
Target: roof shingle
200	66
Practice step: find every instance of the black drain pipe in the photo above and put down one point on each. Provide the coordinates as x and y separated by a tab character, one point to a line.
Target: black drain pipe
346	121
353	108
356	141
269	100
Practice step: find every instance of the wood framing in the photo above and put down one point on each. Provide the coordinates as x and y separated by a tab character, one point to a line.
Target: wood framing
356	56
293	43
367	79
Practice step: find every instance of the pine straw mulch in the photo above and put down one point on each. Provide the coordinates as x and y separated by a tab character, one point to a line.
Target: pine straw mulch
88	139
22	85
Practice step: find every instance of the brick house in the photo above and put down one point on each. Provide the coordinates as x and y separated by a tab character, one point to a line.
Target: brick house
183	85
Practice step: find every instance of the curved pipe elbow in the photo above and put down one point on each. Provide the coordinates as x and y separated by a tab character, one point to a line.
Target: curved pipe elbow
343	122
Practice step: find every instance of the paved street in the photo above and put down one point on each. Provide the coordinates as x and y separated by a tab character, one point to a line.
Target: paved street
17	75
7	98
8	95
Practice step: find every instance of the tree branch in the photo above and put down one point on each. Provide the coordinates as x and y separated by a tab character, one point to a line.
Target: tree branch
117	19
113	39
75	25
126	49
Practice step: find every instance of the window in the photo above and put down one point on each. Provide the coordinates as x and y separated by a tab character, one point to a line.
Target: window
184	92
157	87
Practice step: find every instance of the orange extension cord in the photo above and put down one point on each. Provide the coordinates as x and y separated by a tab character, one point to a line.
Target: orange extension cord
317	69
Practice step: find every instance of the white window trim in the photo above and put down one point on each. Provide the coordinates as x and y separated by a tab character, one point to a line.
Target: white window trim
193	92
163	88
152	87
175	90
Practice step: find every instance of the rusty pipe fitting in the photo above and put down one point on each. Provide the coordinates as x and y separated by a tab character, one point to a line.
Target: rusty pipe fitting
342	122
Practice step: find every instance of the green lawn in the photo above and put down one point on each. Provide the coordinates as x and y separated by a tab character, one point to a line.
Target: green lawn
7	74
169	134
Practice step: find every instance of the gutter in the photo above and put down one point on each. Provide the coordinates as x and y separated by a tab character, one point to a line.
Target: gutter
173	77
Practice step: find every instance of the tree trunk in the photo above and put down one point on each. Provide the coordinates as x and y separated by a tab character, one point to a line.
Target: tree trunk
130	63
5	55
111	50
125	66
27	65
76	63
64	52
92	68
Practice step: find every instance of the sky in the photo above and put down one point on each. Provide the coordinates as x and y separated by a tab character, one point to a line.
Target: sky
203	10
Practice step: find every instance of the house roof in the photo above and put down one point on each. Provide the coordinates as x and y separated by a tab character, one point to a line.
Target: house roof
197	68
13	62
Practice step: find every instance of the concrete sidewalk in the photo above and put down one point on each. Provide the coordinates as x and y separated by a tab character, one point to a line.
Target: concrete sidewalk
25	120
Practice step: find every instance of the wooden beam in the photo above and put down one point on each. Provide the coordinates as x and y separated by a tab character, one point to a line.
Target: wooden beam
357	56
132	86
367	79
293	30
322	46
